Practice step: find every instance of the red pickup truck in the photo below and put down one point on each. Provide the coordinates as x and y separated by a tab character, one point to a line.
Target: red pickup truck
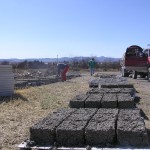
136	61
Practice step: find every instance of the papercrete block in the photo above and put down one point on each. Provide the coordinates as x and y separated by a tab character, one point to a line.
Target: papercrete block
94	83
114	90
93	101
116	82
70	132
107	76
116	85
109	100
99	91
82	114
43	132
131	129
131	91
78	101
108	111
101	129
125	100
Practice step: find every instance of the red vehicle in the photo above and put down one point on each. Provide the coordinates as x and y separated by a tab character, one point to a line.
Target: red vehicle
136	61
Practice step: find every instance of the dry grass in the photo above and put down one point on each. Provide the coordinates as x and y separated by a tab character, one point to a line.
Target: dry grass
142	87
29	105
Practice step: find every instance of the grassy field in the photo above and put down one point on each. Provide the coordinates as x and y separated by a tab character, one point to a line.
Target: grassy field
27	106
142	87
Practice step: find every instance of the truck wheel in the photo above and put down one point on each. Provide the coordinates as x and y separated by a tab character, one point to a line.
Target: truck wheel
142	75
134	75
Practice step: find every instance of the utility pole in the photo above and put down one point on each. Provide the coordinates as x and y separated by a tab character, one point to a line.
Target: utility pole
57	70
57	59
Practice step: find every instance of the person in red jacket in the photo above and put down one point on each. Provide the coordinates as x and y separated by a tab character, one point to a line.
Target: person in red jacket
62	70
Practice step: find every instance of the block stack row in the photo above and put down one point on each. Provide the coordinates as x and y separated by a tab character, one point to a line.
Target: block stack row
110	82
105	98
102	117
91	126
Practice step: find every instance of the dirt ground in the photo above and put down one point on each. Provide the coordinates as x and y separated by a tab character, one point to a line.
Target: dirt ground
27	106
142	100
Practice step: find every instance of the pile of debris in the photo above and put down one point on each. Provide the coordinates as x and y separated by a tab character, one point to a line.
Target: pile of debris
38	79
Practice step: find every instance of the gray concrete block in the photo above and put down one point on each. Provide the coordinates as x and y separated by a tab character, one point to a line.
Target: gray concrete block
114	90
131	91
71	133
101	129
125	100
93	101
116	85
82	114
131	129
94	83
78	101
112	82
129	114
109	100
107	111
99	91
43	132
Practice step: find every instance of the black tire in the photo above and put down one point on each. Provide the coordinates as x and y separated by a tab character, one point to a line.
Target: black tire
142	75
134	75
127	74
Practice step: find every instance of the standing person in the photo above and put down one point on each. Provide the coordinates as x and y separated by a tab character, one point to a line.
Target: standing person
62	70
92	64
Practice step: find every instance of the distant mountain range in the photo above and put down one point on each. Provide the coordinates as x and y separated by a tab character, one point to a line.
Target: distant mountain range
62	59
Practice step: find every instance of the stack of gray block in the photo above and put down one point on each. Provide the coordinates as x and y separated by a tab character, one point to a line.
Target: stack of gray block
131	129
125	100
112	90
44	132
111	82
94	83
101	130
71	131
116	85
91	126
99	90
78	101
107	76
105	98
93	101
109	100
87	125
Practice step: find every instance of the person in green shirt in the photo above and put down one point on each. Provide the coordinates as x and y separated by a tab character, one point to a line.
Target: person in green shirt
92	64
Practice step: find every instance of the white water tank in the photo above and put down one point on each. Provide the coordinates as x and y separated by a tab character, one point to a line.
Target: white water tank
6	80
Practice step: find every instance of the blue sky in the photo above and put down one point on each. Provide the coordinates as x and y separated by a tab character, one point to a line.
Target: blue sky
68	28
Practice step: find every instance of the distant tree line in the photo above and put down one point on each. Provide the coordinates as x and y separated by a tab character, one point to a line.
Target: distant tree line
74	64
105	66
